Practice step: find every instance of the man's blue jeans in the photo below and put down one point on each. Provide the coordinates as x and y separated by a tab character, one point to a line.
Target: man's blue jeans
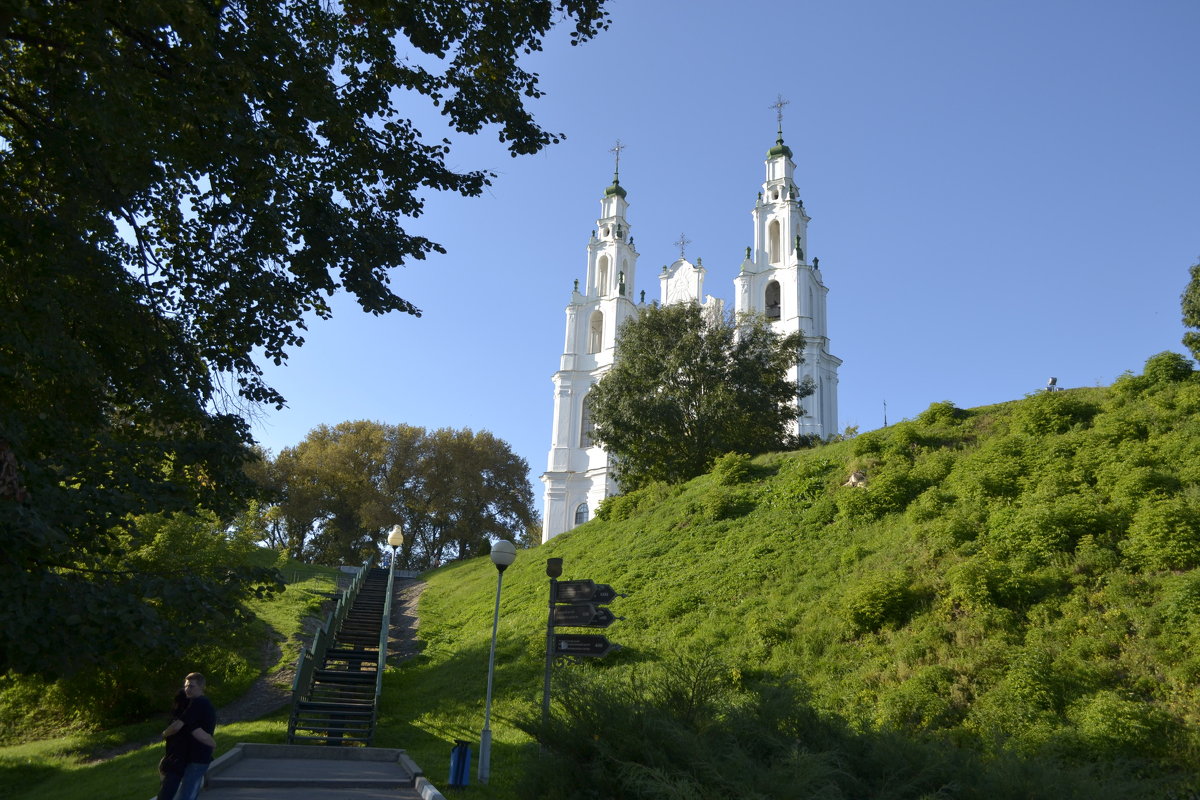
193	779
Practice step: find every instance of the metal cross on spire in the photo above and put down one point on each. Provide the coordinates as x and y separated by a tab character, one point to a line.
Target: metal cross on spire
616	150
778	106
682	244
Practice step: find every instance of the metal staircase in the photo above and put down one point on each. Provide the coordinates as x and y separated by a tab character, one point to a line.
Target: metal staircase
335	696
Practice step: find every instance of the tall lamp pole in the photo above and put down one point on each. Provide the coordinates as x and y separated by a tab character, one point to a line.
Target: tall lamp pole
395	539
503	554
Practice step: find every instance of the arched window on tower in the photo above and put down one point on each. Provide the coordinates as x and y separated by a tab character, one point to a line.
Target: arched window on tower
602	277
581	512
596	332
771	304
586	426
773	241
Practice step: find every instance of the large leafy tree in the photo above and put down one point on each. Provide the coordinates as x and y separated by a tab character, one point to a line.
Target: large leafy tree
182	182
453	491
688	386
1191	311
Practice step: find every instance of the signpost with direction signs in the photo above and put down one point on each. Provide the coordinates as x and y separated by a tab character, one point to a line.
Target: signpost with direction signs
584	592
583	615
575	604
592	645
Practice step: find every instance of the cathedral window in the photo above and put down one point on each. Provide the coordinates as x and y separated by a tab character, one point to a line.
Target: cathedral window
586	425
771	304
602	277
773	241
581	513
596	332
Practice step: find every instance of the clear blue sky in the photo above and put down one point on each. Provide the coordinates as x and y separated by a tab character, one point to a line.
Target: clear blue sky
1000	192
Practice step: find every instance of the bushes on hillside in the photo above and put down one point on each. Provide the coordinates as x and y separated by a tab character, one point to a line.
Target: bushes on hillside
731	468
1113	726
722	503
929	700
884	600
623	506
1052	412
691	727
1165	534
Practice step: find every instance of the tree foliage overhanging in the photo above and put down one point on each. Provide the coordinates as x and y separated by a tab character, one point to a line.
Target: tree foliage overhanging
453	491
181	183
688	386
1190	305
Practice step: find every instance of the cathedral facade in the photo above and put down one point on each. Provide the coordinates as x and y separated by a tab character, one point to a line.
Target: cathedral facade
775	279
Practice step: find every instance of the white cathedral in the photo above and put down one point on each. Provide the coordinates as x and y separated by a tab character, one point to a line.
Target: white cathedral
775	279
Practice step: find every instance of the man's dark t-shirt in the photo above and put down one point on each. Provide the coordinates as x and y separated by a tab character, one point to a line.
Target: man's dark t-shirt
199	714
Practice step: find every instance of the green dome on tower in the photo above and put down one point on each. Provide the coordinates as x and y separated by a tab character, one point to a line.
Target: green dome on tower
616	189
780	149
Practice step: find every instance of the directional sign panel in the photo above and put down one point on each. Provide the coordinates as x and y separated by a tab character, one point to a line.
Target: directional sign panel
575	591
603	618
590	645
582	615
587	591
577	616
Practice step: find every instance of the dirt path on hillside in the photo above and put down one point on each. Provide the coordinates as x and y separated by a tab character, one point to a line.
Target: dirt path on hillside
402	638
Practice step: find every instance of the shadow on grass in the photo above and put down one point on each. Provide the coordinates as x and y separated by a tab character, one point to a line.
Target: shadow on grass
684	729
16	777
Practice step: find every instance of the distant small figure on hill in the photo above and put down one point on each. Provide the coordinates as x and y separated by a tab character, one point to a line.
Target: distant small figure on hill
857	478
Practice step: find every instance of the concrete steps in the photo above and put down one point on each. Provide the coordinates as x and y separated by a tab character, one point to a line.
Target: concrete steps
252	771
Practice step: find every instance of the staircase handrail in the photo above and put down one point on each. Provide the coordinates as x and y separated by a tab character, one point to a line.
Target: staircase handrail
384	631
327	631
333	621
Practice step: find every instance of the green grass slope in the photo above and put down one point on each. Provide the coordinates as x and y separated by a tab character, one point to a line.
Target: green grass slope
1017	583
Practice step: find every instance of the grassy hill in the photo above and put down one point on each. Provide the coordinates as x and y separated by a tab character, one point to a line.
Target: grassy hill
1009	608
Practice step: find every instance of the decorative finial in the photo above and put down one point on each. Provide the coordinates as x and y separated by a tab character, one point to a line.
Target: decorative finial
780	149
682	244
616	150
643	296
747	253
778	106
577	286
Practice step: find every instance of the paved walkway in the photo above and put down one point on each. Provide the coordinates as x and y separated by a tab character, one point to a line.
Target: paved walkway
253	771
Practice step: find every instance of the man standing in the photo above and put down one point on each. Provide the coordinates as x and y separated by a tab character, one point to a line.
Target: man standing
198	723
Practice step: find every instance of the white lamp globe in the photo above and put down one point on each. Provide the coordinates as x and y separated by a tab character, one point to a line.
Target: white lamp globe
503	554
396	536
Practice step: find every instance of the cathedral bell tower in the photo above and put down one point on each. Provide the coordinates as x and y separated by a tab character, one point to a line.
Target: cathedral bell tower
778	279
577	475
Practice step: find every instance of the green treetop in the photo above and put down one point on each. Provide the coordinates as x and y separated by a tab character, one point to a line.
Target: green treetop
1191	311
687	387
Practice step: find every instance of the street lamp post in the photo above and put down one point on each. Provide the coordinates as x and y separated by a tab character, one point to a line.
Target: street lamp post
503	554
395	539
